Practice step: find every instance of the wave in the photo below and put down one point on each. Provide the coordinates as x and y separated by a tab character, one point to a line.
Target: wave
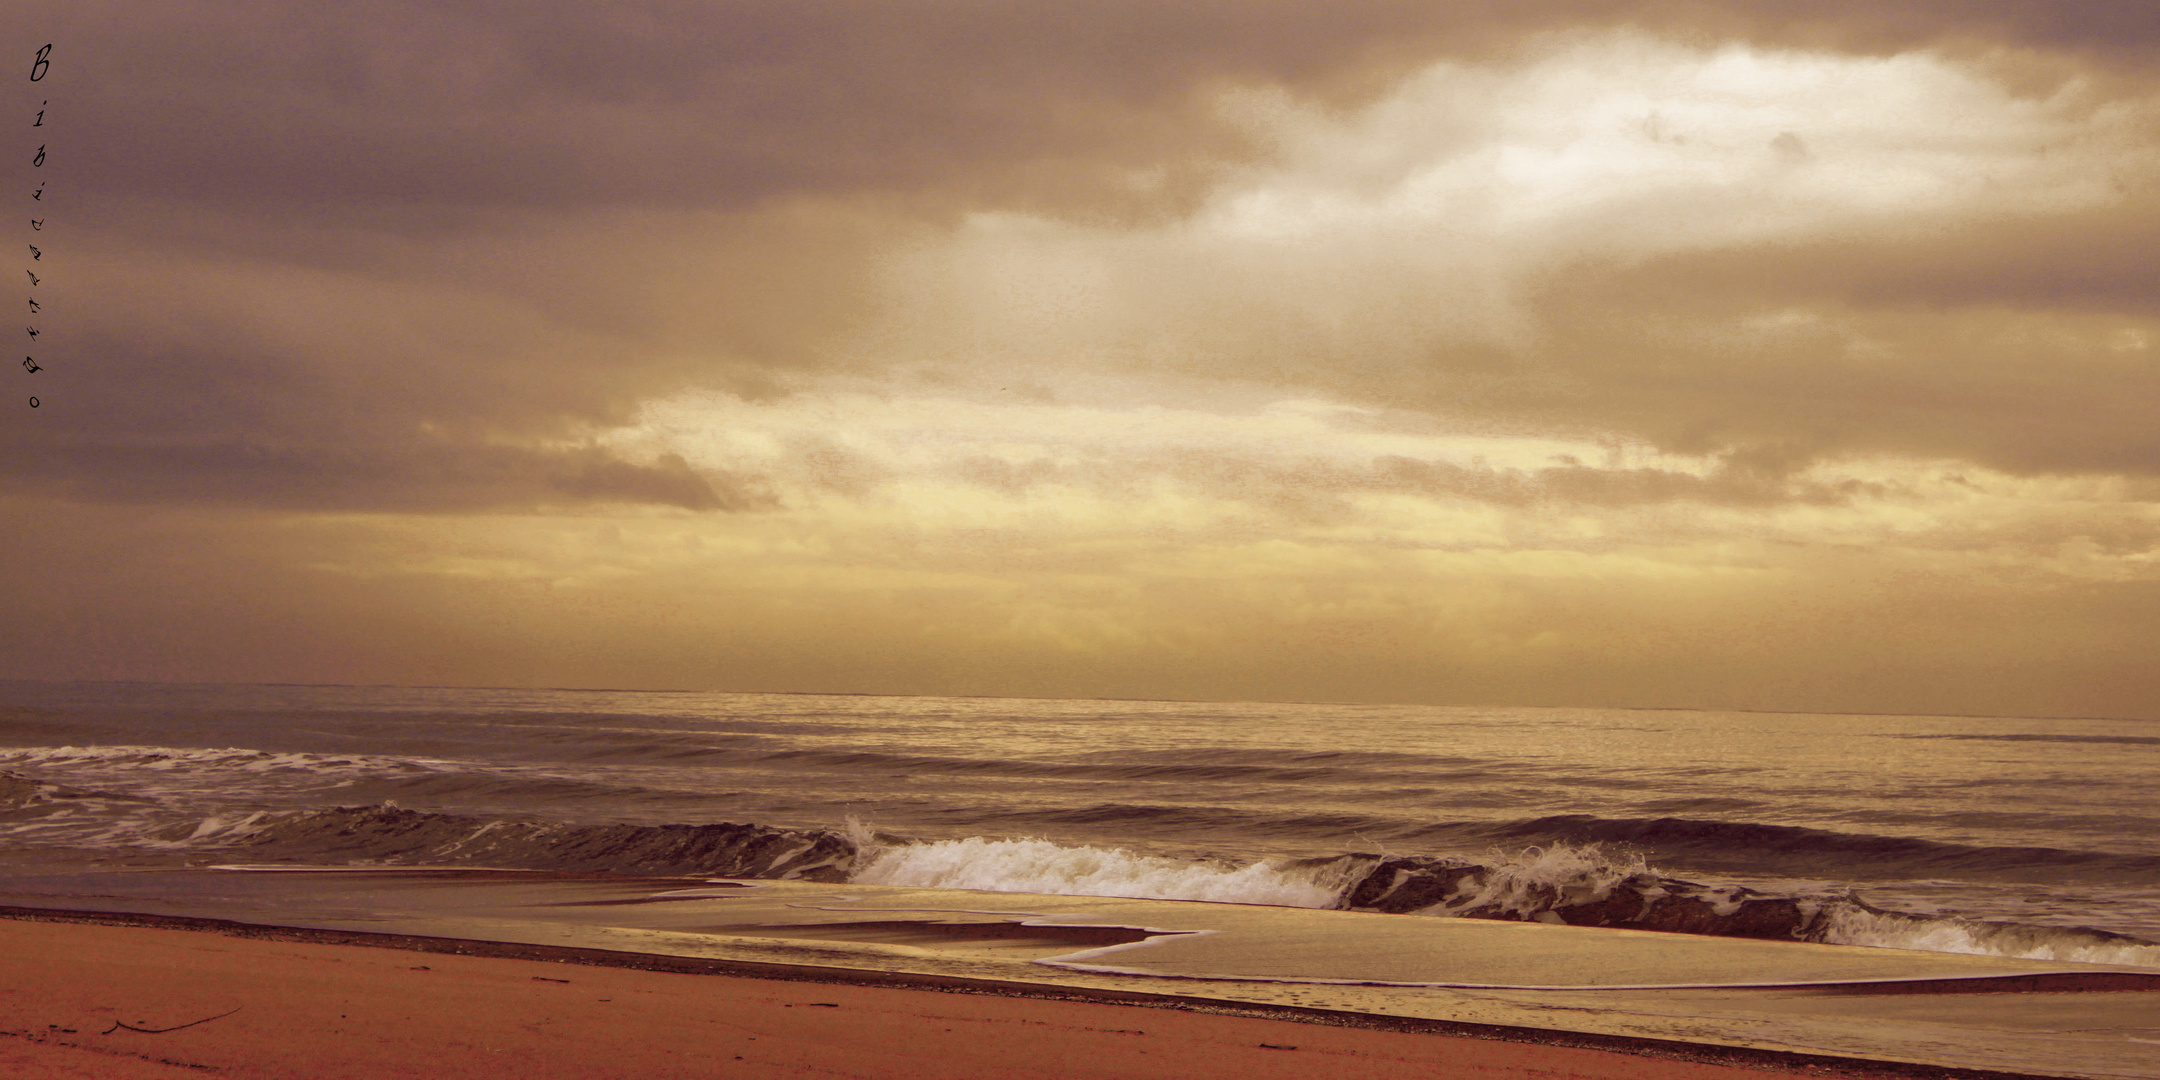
1859	924
1271	768
1575	869
388	834
1794	847
1585	886
229	759
1691	833
2120	740
34	810
1578	884
1562	884
202	777
1039	866
29	796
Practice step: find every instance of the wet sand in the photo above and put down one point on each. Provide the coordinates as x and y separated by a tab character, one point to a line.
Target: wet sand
103	998
699	954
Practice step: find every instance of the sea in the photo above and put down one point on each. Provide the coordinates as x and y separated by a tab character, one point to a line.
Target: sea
2033	837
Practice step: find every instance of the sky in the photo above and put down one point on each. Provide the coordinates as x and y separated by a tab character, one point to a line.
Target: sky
1794	355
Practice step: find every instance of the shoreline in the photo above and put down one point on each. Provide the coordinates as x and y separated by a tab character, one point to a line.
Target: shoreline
1629	1055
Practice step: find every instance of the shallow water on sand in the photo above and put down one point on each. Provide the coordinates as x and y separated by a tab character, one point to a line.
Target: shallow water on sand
1352	967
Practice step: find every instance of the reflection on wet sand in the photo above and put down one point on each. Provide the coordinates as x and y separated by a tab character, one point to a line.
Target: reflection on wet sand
1030	941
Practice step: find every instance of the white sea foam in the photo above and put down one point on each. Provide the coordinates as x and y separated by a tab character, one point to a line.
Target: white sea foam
165	797
1524	885
1531	882
1039	866
1848	925
176	759
217	830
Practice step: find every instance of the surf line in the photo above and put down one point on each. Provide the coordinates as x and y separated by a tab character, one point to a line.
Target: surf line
2064	979
40	66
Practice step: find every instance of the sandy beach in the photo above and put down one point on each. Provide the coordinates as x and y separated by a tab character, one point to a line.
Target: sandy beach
104	999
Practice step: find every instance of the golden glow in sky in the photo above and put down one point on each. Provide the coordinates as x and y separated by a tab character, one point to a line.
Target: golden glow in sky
1572	361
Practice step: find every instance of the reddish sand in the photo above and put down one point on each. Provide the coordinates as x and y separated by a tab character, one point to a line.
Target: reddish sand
321	1011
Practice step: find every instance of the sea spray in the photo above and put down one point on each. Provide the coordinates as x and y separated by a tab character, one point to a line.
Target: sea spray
1538	880
1859	924
1527	884
1040	866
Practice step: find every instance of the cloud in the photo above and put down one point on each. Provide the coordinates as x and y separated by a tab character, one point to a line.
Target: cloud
229	360
1620	351
324	236
1626	235
411	478
479	103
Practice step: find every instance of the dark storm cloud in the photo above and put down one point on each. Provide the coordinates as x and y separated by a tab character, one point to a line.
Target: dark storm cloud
243	382
326	277
718	104
480	104
248	380
447	477
2023	344
354	255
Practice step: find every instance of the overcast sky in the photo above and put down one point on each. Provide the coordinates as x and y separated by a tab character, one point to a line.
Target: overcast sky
1776	355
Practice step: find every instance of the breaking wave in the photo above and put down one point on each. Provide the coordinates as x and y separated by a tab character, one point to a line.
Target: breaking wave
232	759
1858	924
1798	848
1576	885
390	835
36	810
1039	866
